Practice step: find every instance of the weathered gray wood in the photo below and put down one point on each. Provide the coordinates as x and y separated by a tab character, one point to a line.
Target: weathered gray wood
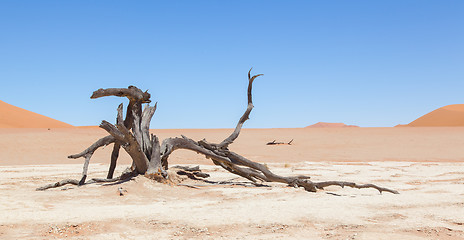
59	184
151	158
127	174
147	115
155	166
114	159
192	172
274	142
186	168
171	144
129	121
128	142
321	185
193	175
100	143
132	107
85	168
115	152
87	153
132	93
245	116
110	128
136	129
141	127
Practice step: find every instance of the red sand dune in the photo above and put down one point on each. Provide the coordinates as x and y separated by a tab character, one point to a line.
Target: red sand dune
447	116
330	125
89	127
15	117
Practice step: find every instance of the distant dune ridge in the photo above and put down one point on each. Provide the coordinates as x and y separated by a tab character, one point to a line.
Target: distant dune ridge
447	116
330	125
15	117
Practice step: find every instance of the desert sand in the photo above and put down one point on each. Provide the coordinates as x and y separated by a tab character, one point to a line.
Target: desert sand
447	116
425	164
329	125
15	117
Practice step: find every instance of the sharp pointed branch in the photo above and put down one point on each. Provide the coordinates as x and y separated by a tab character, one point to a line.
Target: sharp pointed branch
224	144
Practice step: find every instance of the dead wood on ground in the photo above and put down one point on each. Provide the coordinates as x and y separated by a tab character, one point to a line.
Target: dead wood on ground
274	142
150	156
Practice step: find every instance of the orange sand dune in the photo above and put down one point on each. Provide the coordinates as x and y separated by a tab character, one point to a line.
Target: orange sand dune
15	117
330	125
447	116
88	127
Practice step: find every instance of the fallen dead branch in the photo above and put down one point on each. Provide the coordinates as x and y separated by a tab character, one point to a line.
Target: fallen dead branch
279	143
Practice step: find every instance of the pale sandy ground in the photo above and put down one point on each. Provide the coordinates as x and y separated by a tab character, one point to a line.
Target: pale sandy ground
425	164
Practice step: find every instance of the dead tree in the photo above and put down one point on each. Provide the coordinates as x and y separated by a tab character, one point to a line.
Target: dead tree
150	157
274	142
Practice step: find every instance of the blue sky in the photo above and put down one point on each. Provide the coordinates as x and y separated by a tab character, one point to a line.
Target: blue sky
368	63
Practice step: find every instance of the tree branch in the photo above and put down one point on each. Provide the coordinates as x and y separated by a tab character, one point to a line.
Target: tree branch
128	142
322	185
147	115
155	166
127	174
114	159
132	93
245	116
99	143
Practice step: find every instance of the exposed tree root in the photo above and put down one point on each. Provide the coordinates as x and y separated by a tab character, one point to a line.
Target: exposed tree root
126	175
59	184
150	158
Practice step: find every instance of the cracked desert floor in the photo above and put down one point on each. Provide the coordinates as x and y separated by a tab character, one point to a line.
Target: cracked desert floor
426	165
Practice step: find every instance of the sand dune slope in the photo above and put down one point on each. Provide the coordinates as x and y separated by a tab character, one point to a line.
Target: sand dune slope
15	117
447	116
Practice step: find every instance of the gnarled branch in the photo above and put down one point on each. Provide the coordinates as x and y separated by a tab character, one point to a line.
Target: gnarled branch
132	93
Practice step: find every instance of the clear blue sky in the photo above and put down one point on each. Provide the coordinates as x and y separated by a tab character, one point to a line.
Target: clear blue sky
368	63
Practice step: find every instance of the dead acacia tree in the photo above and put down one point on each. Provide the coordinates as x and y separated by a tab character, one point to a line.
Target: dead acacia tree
150	157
